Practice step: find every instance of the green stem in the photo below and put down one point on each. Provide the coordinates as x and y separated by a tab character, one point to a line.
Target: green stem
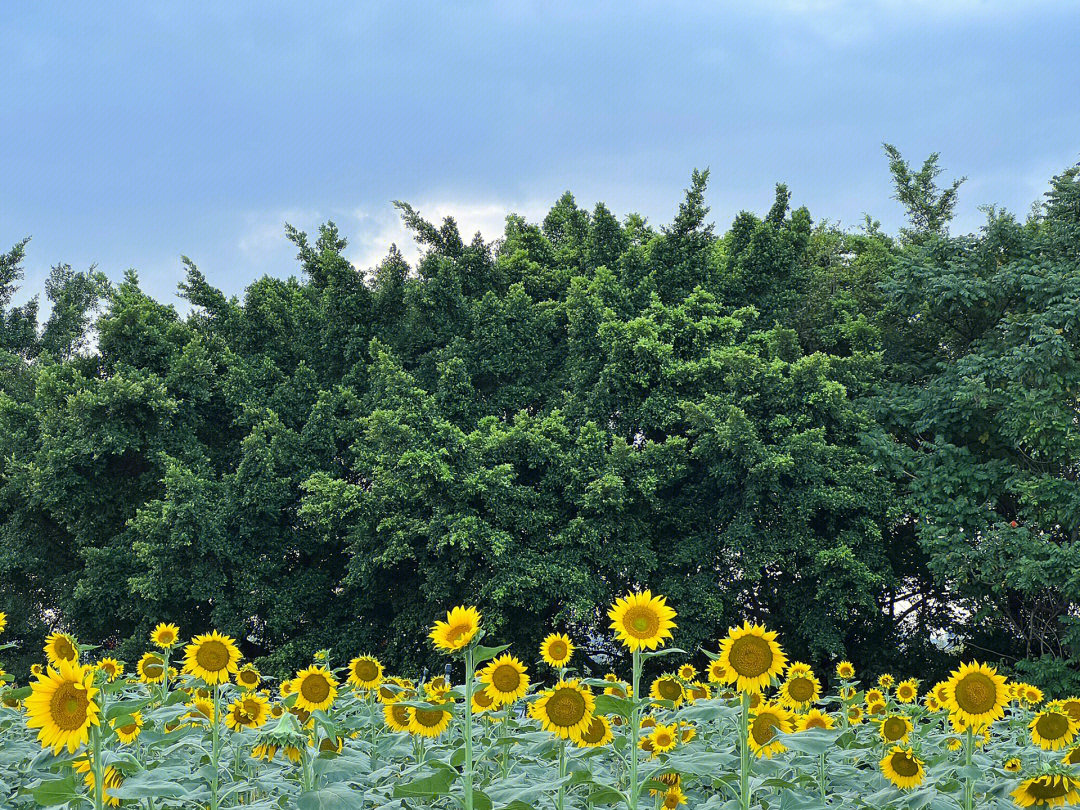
744	752
470	673
969	783
635	729
562	774
97	765
215	748
821	777
372	705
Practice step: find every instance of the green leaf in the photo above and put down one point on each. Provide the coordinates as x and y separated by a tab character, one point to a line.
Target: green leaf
436	784
483	653
56	791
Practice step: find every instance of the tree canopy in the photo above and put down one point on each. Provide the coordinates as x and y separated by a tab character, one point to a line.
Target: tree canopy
868	442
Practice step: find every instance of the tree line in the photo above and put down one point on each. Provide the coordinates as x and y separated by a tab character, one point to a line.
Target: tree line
868	441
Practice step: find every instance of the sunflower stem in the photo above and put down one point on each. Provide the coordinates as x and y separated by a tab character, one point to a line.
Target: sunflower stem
635	729
969	784
97	765
374	730
562	774
744	752
821	777
215	748
470	673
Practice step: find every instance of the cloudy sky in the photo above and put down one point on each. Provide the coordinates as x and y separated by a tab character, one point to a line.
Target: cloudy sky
136	134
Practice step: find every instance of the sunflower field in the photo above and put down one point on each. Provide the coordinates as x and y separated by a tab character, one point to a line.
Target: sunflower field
192	725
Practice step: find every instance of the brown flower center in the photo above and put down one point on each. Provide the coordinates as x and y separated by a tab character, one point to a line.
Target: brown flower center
68	706
213	655
751	656
566	707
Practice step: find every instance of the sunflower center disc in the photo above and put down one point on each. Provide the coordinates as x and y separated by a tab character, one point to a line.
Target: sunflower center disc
315	688
669	689
566	707
429	718
558	650
1045	788
212	656
976	694
401	714
365	670
894	729
801	689
904	765
68	707
763	728
505	678
595	732
1052	726
642	622
63	649
751	656
458	631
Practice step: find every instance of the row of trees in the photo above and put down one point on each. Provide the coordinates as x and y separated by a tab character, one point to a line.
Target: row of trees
869	442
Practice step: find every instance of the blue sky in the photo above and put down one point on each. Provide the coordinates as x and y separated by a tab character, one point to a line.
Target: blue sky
152	130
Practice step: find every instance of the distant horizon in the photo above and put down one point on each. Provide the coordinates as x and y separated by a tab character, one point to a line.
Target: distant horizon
151	133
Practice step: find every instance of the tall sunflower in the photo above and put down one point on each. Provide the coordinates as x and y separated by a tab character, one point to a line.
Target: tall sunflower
895	728
641	621
461	626
667	687
845	671
365	672
1052	728
248	677
750	657
129	731
429	721
975	695
903	768
556	650
112	668
165	635
315	688
61	706
566	709
214	657
800	690
61	647
766	721
1048	790
907	691
250	710
663	738
505	679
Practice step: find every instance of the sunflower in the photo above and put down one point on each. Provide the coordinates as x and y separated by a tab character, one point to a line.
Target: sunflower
165	635
796	668
248	678
505	679
907	691
3	621
250	710
556	650
1071	705
213	657
1048	790
765	722
886	681
954	743
1033	695
619	689
750	657
671	779
716	671
641	621
687	672
855	715
483	702
976	695
673	797
845	670
687	732
847	692
696	690
264	751
394	690
667	687
201	709
130	730
396	716
903	768
931	702
874	696
1012	765
112	668
429	721
800	690
61	647
663	738
365	672
461	626
112	779
566	709
895	728
1052	728
813	719
61	705
875	709
315	688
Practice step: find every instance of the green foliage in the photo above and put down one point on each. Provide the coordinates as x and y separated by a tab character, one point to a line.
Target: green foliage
868	443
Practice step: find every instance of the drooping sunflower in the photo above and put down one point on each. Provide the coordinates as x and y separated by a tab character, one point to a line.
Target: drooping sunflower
461	626
556	650
214	657
112	668
671	779
687	672
845	670
800	690
61	706
315	688
598	733
566	709
129	731
895	728
641	621
505	679
975	694
248	677
429	721
365	672
165	635
1012	765
1052	728
907	691
329	745
1072	756
903	768
396	716
766	722
750	657
667	687
664	738
250	710
814	719
1048	790
61	647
